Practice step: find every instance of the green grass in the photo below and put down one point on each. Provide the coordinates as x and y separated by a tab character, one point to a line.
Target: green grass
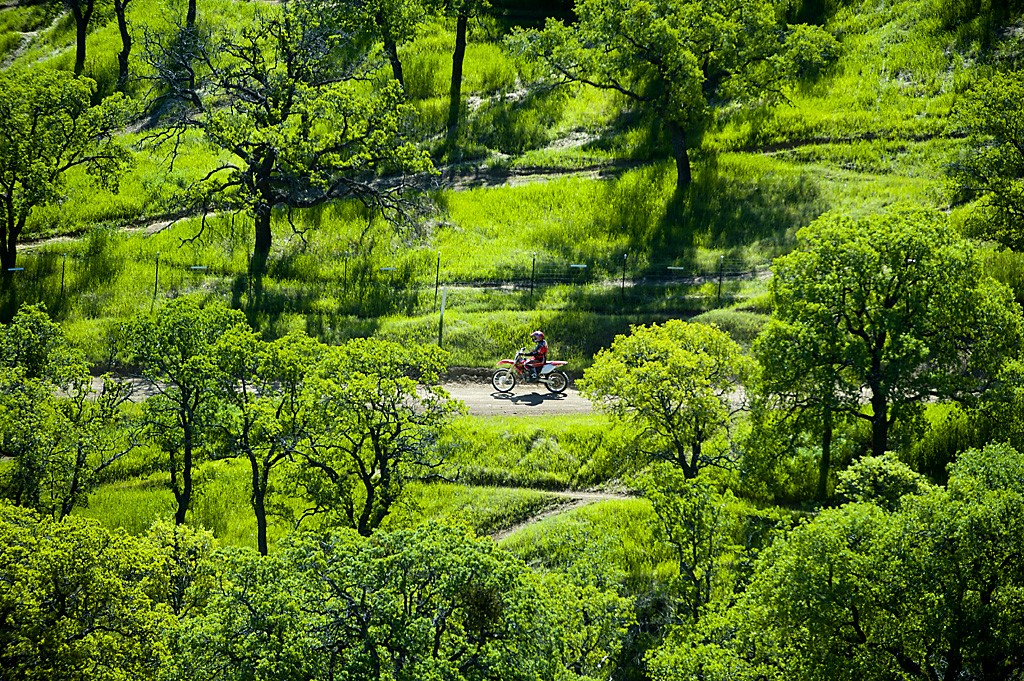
555	452
221	504
741	325
610	542
132	505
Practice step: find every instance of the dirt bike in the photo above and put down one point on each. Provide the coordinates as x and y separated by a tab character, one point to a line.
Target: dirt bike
505	379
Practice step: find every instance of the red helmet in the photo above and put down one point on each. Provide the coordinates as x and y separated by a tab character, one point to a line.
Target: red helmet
537	335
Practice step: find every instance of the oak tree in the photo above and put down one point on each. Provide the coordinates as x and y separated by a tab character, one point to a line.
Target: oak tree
375	410
894	307
991	167
284	96
174	352
927	590
263	418
674	384
48	127
680	61
77	600
58	432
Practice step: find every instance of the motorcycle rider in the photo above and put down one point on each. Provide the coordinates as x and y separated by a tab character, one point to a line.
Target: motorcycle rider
539	354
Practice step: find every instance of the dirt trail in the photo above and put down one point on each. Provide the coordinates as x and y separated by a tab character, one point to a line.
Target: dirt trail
478	395
573	500
483	400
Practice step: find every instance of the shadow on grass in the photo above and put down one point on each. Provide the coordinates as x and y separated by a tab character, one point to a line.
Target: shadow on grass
728	208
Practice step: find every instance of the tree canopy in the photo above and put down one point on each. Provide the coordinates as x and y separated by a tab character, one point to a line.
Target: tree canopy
76	601
174	350
283	95
58	433
675	383
375	412
927	591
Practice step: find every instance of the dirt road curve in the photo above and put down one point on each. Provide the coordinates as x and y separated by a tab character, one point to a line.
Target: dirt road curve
570	501
478	395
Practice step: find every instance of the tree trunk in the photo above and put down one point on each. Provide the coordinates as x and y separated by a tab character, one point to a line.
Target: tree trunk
879	423
681	155
826	454
81	10
265	207
75	488
455	103
691	470
184	495
391	48
121	8
9	247
363	525
259	505
190	16
9	255
263	235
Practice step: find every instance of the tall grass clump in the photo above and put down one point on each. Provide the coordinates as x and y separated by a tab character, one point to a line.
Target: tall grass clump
556	453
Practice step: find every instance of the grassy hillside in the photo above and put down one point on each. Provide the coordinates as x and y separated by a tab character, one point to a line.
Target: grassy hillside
570	176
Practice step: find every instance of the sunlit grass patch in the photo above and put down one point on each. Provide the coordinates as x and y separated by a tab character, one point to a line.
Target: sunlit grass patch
485	509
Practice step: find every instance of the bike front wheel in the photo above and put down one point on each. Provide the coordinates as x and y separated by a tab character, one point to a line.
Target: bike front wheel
557	382
503	380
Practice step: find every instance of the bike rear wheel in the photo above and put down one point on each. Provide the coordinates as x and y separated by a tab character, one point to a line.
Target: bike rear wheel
557	382
503	380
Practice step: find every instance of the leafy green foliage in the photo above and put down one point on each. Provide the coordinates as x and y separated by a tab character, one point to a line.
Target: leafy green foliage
696	520
678	60
59	445
881	480
430	603
174	350
863	593
184	552
673	384
78	601
262	385
282	97
992	166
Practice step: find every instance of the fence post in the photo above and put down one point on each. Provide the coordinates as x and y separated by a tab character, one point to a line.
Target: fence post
344	279
440	320
721	270
622	288
437	279
156	281
533	274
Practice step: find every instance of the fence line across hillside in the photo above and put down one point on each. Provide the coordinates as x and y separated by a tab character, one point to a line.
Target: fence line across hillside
49	273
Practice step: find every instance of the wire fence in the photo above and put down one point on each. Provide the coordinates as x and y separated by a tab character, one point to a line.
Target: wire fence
371	286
